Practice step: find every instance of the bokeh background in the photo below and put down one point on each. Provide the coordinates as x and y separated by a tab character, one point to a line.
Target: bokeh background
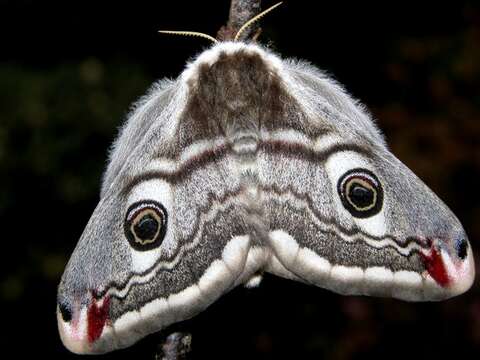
69	71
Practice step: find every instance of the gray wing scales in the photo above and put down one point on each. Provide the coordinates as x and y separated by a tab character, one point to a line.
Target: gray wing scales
343	213
312	237
249	163
147	112
170	233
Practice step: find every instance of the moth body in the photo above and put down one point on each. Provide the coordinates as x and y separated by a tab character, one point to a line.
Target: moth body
249	163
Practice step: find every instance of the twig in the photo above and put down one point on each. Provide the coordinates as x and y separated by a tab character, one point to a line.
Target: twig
176	347
240	12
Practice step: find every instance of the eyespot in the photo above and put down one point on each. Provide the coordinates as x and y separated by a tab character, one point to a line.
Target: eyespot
145	225
361	193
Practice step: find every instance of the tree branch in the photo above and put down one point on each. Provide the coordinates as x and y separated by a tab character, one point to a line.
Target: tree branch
175	347
240	12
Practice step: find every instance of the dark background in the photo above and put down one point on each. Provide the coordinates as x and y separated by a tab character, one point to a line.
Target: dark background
69	71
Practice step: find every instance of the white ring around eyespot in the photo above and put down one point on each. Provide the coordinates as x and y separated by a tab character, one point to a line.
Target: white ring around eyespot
160	191
337	165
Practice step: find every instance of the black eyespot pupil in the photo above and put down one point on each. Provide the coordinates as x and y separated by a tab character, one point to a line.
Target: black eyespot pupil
361	193
65	311
145	225
146	228
462	247
361	196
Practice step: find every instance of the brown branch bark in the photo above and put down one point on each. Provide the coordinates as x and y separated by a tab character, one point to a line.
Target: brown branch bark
240	12
176	346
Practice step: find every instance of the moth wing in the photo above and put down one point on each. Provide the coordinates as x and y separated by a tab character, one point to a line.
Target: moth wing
404	245
119	287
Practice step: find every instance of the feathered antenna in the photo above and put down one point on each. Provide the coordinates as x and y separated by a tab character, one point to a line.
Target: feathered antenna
254	19
189	33
211	38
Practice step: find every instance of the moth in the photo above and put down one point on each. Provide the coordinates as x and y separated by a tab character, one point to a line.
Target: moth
250	163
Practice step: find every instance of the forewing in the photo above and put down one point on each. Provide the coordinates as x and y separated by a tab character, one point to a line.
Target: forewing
168	237
343	212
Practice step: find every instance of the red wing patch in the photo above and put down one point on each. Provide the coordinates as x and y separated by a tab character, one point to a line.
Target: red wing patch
436	268
96	318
